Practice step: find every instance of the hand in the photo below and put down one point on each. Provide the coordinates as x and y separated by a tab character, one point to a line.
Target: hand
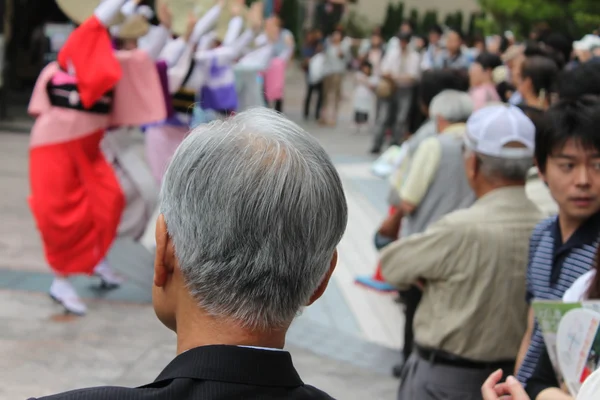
510	390
221	3
255	15
164	14
191	24
236	8
391	225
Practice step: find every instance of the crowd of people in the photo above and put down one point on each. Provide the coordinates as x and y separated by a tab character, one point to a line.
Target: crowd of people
494	202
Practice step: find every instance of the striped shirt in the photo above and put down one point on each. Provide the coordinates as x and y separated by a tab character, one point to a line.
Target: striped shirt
553	267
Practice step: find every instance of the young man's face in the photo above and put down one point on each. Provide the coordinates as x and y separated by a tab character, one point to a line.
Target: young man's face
573	177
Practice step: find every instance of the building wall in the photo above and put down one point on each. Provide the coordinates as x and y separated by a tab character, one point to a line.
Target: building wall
374	10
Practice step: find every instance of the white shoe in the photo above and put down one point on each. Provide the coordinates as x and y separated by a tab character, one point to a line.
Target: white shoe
64	293
110	279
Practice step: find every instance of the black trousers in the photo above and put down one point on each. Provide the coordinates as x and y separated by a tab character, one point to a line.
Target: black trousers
411	298
310	90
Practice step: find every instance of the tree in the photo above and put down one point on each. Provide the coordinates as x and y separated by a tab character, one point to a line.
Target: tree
429	21
573	17
414	18
399	17
472	30
458	20
449	20
388	28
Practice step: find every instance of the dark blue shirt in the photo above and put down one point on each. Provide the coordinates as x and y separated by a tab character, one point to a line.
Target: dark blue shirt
553	268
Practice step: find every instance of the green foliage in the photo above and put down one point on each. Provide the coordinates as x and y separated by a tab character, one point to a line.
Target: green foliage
574	17
473	29
414	18
399	17
388	24
429	20
459	20
393	18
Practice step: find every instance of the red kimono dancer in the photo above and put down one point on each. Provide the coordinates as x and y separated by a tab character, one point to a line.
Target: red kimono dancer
76	198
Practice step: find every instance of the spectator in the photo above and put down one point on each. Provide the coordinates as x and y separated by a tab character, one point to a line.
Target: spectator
483	89
433	83
336	59
401	68
562	248
252	212
463	335
584	48
536	81
453	56
364	95
435	184
434	49
312	47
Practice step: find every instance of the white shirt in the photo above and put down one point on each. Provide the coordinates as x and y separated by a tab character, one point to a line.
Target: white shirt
392	61
364	96
578	291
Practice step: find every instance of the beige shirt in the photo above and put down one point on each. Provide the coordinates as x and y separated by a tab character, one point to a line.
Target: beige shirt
474	263
424	166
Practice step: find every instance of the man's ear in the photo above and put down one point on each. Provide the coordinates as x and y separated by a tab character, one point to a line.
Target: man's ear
321	289
162	267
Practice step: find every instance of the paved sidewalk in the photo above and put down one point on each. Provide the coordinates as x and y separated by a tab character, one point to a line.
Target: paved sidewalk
346	343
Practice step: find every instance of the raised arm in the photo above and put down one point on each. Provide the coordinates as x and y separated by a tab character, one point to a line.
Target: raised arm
157	37
226	55
205	24
108	10
234	29
155	41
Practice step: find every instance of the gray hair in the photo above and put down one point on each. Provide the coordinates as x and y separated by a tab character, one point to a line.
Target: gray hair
452	105
255	209
510	169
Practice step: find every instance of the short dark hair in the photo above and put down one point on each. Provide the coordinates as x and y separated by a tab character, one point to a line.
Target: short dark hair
543	73
576	119
488	60
436	29
580	81
410	23
433	82
458	31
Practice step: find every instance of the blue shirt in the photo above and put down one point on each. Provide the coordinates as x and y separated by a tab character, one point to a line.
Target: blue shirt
553	267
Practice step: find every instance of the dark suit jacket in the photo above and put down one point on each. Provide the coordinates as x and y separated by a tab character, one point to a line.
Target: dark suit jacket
214	372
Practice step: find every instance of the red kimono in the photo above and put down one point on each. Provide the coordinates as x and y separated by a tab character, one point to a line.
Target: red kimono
75	197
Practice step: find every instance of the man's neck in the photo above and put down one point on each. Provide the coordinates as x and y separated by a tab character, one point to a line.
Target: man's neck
488	188
568	225
205	330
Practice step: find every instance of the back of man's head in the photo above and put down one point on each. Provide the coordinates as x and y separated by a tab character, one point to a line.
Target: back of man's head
451	105
255	209
500	140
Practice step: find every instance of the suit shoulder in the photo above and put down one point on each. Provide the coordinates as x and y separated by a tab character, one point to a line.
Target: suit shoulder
316	394
97	393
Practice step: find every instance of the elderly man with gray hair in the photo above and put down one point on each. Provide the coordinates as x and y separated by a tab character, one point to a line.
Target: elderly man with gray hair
252	210
472	263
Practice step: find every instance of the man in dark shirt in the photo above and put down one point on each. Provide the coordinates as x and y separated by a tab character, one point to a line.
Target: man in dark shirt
562	248
252	212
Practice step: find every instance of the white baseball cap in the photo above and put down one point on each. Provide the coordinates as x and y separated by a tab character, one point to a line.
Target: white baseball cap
491	128
587	43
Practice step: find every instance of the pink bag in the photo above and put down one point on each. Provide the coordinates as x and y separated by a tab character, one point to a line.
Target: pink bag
275	80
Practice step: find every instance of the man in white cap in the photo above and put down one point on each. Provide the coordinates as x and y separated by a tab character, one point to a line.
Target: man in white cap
472	265
585	48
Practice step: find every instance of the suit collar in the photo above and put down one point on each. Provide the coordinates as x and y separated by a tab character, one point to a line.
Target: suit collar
233	364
